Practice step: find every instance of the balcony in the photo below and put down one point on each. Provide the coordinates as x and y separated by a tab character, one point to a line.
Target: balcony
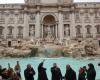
2	21
1	36
79	35
21	21
87	20
97	35
89	36
77	21
97	20
9	36
20	36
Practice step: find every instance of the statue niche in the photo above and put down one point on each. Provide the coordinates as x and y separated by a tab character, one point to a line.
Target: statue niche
49	27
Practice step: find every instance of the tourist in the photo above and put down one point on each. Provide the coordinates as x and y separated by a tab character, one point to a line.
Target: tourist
85	69
98	64
9	66
5	74
91	73
70	73
0	77
12	75
56	72
42	72
18	69
0	70
82	74
29	73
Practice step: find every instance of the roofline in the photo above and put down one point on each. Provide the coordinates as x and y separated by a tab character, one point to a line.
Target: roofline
12	3
87	2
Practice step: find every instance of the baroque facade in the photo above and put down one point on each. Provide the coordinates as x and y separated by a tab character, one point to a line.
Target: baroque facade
49	20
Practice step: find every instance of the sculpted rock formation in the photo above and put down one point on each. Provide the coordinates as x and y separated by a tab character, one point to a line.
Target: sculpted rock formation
30	48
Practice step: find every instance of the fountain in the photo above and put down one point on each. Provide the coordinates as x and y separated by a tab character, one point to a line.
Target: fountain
50	52
60	48
62	62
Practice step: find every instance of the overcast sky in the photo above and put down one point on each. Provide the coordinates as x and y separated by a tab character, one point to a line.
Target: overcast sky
22	1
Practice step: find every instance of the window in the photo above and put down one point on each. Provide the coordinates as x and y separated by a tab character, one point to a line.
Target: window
78	30
88	28
99	42
2	20
1	30
10	28
9	43
21	18
77	17
87	17
20	30
98	29
96	14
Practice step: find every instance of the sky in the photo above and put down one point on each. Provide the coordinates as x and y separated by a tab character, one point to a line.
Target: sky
22	1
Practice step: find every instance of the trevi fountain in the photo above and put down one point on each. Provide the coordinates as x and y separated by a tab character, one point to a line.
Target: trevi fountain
56	30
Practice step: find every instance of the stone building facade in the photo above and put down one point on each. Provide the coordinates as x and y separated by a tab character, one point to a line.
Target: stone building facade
49	20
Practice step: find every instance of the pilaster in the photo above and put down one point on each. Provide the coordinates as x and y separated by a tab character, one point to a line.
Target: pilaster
26	26
72	27
60	24
37	29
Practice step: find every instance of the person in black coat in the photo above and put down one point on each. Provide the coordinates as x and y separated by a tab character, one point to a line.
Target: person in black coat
56	72
29	73
0	70
91	73
42	72
82	74
70	73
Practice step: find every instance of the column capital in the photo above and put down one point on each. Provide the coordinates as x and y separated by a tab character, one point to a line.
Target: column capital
60	8
38	9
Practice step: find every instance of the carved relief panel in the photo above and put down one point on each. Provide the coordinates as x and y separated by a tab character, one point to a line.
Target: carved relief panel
32	17
66	16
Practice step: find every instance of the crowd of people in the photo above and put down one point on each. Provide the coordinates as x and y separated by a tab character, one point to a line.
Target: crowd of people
10	73
29	73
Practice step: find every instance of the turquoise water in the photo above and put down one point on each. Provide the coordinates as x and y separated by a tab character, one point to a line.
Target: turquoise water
74	62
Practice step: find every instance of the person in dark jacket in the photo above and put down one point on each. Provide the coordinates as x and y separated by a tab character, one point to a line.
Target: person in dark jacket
42	72
56	72
82	74
70	73
0	70
29	73
5	74
91	73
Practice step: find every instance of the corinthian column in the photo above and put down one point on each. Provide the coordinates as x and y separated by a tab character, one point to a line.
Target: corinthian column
26	29
37	30
72	30
60	26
